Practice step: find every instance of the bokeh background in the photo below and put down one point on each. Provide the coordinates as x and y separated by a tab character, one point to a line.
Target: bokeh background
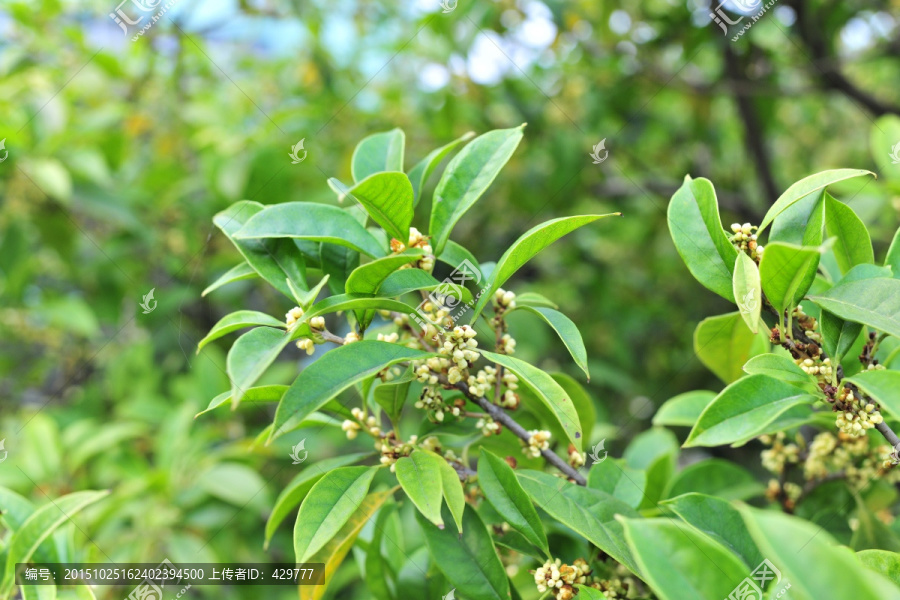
120	152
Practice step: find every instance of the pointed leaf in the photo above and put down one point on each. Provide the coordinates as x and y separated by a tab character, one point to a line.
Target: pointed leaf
235	273
724	344
783	369
838	335
420	173
413	280
378	152
452	489
467	177
263	393
872	302
683	409
787	272
388	198
419	475
250	356
853	246
618	480
748	290
803	223
567	332
883	386
238	320
367	278
501	488
717	477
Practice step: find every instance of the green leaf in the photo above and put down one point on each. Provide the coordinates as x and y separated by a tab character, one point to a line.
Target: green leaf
457	256
584	405
807	186
883	562
388	198
748	290
468	561
618	480
378	152
567	332
420	173
311	221
299	487
501	488
391	396
744	409
892	258
548	391
716	477
467	177
696	229
412	280
337	262
534	299
724	344
671	555
454	495
589	512
274	260
718	519
883	386
683	409
853	246
367	278
250	356
589	593
525	248
872	302
838	335
334	552
787	272
328	506
783	369
16	509
377	567
306	297
803	223
811	560
336	371
38	527
419	475
236	273
343	302
238	320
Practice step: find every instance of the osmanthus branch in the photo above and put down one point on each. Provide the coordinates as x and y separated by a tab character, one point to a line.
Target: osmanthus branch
500	416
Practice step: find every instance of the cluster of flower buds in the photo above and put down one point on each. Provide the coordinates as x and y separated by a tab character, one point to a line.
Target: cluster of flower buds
856	414
389	337
818	368
393	450
351	337
292	316
459	347
507	344
352	428
432	401
745	240
504	300
307	344
538	441
481	382
488	426
576	458
416	240
559	579
779	454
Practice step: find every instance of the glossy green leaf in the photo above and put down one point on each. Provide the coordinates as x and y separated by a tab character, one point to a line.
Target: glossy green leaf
718	519
501	488
334	552
336	371
413	280
783	369
388	198
311	221
724	344
683	409
744	409
892	258
567	332
328	506
618	480
299	487
853	245
250	356
811	560
419	475
39	526
420	173
807	186
548	391
589	593
882	385
263	393
536	300
367	278
584	404
343	302
787	272
671	555
696	230
525	248
391	396
838	335
589	512
305	298
468	561
236	273
378	152
238	320
803	223
747	290
337	262
454	496
467	177
883	562
716	477
872	302
274	260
